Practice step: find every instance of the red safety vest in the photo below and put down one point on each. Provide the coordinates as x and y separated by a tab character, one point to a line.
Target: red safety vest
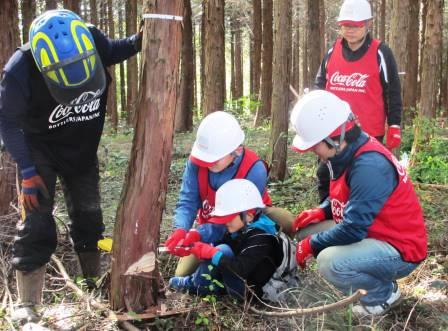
400	221
208	194
358	83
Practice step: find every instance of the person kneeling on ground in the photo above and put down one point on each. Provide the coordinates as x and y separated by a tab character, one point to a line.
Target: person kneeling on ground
218	155
377	232
250	255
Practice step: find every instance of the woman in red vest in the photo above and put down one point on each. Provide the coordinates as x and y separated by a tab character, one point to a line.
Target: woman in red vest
362	71
377	232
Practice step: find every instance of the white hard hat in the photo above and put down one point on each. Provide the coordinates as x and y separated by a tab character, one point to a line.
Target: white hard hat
219	134
316	116
233	197
355	11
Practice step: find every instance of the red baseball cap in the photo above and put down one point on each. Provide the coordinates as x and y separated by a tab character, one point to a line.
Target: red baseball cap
352	23
222	219
201	163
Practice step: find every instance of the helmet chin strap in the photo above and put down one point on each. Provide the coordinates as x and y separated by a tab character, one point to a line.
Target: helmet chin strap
337	145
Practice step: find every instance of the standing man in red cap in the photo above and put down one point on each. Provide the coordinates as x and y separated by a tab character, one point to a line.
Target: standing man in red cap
362	71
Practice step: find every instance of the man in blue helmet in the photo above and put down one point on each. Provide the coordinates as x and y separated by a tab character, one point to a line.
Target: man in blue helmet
53	96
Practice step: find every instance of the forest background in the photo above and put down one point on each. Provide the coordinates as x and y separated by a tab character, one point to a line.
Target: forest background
242	57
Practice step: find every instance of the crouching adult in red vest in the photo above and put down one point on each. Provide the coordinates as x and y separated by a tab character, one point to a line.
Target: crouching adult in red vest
377	232
217	156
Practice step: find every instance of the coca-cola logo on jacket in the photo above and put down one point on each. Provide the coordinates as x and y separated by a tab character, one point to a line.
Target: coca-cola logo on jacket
337	209
207	209
355	79
63	114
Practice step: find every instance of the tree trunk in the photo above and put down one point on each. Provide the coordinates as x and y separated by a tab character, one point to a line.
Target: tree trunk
28	12
51	4
140	211
280	100
400	22
322	33
202	56
112	97
214	58
232	61
93	12
9	39
382	20
410	87
313	47
430	69
132	71
184	108
256	48
238	63
295	78
73	5
304	49
423	17
264	111
121	11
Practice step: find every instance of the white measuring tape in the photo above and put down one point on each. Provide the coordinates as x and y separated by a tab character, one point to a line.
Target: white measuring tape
163	17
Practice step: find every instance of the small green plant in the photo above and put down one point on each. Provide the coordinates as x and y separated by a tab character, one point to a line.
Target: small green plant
431	164
202	320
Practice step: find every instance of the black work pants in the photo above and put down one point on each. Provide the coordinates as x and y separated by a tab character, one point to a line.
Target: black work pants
37	237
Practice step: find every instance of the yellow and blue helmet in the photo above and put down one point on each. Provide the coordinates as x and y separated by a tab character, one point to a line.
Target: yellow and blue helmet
65	53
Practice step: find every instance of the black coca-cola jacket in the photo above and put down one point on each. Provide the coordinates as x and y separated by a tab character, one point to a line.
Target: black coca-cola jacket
388	75
30	118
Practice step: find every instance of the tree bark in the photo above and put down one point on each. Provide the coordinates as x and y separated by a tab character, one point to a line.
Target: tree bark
264	111
399	23
112	96
132	71
280	100
73	5
313	47
430	69
9	39
295	78
382	20
184	108
93	12
238	62
214	58
410	87
140	211
50	4
305	50
121	11
28	12
256	48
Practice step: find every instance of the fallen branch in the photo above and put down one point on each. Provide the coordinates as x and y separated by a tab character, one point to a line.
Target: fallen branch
437	186
315	310
80	293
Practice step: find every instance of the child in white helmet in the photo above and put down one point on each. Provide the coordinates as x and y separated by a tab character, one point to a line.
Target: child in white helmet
249	254
362	70
376	234
217	156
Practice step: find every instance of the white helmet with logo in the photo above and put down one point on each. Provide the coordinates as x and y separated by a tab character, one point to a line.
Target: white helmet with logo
316	116
355	10
236	196
219	134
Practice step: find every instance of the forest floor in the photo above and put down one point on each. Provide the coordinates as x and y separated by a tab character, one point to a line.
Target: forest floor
425	291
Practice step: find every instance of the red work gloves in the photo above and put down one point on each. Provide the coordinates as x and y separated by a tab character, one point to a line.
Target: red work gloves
176	237
203	251
30	187
308	216
393	137
191	237
304	252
